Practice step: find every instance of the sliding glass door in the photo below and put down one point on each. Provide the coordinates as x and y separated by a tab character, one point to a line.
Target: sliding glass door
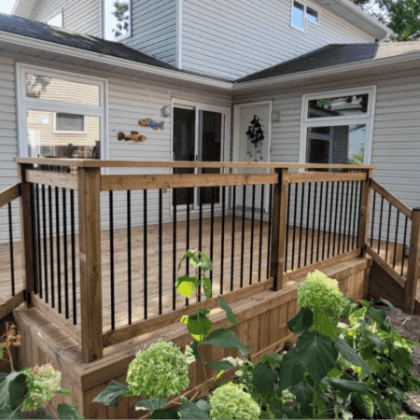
198	136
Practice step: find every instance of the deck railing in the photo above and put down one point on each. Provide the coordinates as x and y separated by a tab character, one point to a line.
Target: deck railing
101	250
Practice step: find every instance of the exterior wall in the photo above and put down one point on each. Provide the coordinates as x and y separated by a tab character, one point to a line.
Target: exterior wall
79	16
234	38
395	147
154	29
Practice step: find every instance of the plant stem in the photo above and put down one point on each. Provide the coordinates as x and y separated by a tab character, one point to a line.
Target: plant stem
160	402
314	404
205	375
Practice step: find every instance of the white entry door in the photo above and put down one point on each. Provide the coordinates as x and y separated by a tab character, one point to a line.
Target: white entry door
252	120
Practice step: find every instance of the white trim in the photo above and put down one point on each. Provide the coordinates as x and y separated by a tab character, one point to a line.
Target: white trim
121	37
305	5
69	131
25	104
366	119
179	22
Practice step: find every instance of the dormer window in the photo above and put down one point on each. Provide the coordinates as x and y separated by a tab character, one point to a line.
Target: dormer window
301	14
116	16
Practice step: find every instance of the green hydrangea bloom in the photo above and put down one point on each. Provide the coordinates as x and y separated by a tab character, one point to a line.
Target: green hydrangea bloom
159	371
321	294
43	382
231	402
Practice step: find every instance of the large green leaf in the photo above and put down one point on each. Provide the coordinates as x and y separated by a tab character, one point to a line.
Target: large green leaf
302	321
317	354
68	411
392	308
272	359
9	413
291	370
304	393
227	339
264	379
192	353
65	392
383	406
356	317
325	325
168	413
402	358
350	355
378	315
151	405
110	395
229	313
198	324
12	388
345	385
207	287
186	285
191	410
222	365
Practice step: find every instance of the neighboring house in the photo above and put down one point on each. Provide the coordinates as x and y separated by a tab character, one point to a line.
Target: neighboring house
323	89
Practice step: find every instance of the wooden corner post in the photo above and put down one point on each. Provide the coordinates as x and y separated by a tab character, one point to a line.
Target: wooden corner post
27	234
89	186
413	263
279	228
364	213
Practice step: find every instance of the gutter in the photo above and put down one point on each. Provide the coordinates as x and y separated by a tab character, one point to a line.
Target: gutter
342	68
147	69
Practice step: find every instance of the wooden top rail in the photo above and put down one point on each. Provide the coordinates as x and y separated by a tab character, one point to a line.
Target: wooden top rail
96	163
54	179
9	194
296	178
392	199
145	182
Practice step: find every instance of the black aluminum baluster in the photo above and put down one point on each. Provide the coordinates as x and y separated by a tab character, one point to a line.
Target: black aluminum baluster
373	218
359	210
313	223
387	235
73	255
327	187
111	257
51	248
160	252
336	216
66	261
252	236
45	243
57	229
145	252
261	233
308	212
380	224
345	215
187	241
38	234
396	238
35	250
294	227
129	260
350	216
174	263
222	255
270	212
341	218
331	218
212	236
243	236
232	264
12	264
319	222
403	252
200	237
301	223
286	257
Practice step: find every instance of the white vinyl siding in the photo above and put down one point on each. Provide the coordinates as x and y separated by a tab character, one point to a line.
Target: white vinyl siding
395	143
153	29
79	16
234	38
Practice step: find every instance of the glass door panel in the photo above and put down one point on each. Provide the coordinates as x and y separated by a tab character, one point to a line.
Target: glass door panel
184	150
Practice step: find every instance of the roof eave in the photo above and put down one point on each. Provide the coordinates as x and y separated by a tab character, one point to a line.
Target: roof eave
302	76
23	8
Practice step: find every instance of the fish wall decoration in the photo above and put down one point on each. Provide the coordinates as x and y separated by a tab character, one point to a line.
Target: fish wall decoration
148	122
134	136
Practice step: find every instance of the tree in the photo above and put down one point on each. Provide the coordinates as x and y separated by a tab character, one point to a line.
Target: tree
122	14
402	16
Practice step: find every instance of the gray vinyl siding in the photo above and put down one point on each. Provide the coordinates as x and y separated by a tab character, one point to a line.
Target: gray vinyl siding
396	144
237	37
154	29
79	16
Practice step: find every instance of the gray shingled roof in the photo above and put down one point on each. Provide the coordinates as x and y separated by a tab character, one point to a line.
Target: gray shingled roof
334	55
37	30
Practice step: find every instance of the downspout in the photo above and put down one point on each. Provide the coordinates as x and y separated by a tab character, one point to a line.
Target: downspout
179	4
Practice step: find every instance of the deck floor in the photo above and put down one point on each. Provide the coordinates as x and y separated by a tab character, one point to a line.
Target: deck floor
258	260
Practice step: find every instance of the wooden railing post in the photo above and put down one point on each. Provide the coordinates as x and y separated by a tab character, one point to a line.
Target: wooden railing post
89	186
279	228
364	213
27	232
413	263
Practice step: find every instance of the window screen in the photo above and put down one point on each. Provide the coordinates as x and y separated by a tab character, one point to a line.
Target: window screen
69	122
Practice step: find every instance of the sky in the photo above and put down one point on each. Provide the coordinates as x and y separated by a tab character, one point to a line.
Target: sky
6	6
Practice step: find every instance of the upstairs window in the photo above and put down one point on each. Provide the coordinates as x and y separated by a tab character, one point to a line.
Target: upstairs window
57	20
301	13
116	19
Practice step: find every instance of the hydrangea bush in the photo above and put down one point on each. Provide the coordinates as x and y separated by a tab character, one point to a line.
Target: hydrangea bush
321	294
160	370
230	401
43	383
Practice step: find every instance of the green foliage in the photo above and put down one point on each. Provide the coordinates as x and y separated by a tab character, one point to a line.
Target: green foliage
230	401
110	395
357	159
68	411
160	370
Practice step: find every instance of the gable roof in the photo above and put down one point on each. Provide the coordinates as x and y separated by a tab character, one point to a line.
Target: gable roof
37	30
334	55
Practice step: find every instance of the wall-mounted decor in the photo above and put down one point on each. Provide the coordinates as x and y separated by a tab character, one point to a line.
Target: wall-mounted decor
134	136
276	117
166	111
148	122
255	136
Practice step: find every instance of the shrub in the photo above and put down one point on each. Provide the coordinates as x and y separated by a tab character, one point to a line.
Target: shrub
160	370
231	402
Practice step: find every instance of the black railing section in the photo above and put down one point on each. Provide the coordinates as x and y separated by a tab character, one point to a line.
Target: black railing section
55	248
322	221
150	231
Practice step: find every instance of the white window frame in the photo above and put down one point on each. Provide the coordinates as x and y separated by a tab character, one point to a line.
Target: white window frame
56	131
305	19
122	37
60	12
367	119
25	104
